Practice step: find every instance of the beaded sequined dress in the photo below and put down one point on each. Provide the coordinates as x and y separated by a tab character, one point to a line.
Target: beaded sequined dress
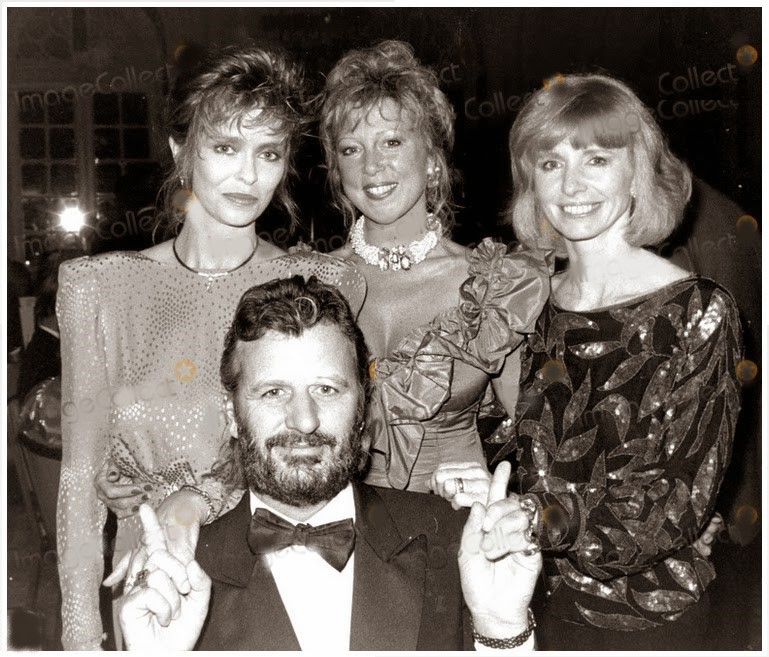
428	392
624	427
141	345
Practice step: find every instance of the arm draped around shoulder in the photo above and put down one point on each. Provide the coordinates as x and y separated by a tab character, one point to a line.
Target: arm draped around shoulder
662	498
85	401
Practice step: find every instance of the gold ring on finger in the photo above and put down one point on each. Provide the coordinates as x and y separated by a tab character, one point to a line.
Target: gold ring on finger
140	582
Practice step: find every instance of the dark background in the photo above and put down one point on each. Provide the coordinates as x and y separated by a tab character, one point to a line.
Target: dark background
488	59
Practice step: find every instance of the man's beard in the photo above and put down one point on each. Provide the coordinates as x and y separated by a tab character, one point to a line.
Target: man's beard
299	480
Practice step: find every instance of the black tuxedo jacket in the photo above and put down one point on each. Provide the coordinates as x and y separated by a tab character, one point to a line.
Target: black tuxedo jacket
406	589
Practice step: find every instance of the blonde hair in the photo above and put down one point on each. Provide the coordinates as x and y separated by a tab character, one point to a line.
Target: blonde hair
596	109
364	78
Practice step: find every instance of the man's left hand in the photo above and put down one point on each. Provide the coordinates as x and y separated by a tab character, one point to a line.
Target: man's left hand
497	583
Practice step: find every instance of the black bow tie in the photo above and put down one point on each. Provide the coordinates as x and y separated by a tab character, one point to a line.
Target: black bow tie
334	541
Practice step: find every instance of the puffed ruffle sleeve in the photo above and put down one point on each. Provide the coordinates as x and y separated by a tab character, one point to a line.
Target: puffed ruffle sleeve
499	304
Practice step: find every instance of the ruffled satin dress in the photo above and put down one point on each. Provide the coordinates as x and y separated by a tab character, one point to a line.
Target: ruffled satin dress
429	391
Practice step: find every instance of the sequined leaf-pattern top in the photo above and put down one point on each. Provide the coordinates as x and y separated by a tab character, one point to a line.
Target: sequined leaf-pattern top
624	425
428	391
141	344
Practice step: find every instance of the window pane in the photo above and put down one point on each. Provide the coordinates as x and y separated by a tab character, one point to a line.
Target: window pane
35	213
61	112
64	179
105	109
107	143
107	176
32	143
30	106
33	179
61	143
134	109
136	143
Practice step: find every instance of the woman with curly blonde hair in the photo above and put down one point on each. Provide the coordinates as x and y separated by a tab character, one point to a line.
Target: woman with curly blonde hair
441	320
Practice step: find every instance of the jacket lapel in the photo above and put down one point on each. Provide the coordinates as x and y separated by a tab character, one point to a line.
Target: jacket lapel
389	578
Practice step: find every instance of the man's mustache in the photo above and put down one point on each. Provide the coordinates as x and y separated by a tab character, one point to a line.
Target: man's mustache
296	439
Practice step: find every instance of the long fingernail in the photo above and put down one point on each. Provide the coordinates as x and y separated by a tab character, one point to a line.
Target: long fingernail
145	498
148	487
135	491
135	509
112	473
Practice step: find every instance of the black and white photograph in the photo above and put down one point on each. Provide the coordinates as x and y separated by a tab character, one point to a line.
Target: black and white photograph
383	327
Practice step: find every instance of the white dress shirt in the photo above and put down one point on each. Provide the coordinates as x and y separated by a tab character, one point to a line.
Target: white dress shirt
317	597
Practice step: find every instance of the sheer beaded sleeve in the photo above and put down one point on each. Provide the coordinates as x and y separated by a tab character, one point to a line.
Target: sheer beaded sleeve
80	515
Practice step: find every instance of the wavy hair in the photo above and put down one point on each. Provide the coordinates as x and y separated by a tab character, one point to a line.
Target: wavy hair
291	306
596	109
222	88
359	82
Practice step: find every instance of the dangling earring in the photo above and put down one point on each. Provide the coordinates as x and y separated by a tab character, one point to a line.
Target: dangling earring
433	177
433	222
183	182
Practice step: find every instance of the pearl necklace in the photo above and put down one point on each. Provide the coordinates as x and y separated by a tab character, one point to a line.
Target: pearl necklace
395	257
212	275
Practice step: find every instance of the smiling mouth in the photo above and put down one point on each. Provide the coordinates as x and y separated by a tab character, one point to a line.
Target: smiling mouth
241	199
379	191
579	210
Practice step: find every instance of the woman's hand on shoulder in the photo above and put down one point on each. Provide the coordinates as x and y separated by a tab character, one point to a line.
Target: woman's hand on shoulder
120	494
461	483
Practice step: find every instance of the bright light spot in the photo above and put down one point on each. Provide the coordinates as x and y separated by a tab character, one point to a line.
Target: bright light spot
72	219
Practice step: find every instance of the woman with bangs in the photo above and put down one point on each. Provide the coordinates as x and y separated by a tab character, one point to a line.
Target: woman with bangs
142	332
629	394
442	321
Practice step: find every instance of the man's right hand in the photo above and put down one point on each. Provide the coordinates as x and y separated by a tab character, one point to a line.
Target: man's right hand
167	610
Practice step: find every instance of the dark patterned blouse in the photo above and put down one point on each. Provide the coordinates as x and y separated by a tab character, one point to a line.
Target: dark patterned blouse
624	430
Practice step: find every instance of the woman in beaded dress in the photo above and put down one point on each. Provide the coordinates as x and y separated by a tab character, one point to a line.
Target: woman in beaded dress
142	333
629	392
442	321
